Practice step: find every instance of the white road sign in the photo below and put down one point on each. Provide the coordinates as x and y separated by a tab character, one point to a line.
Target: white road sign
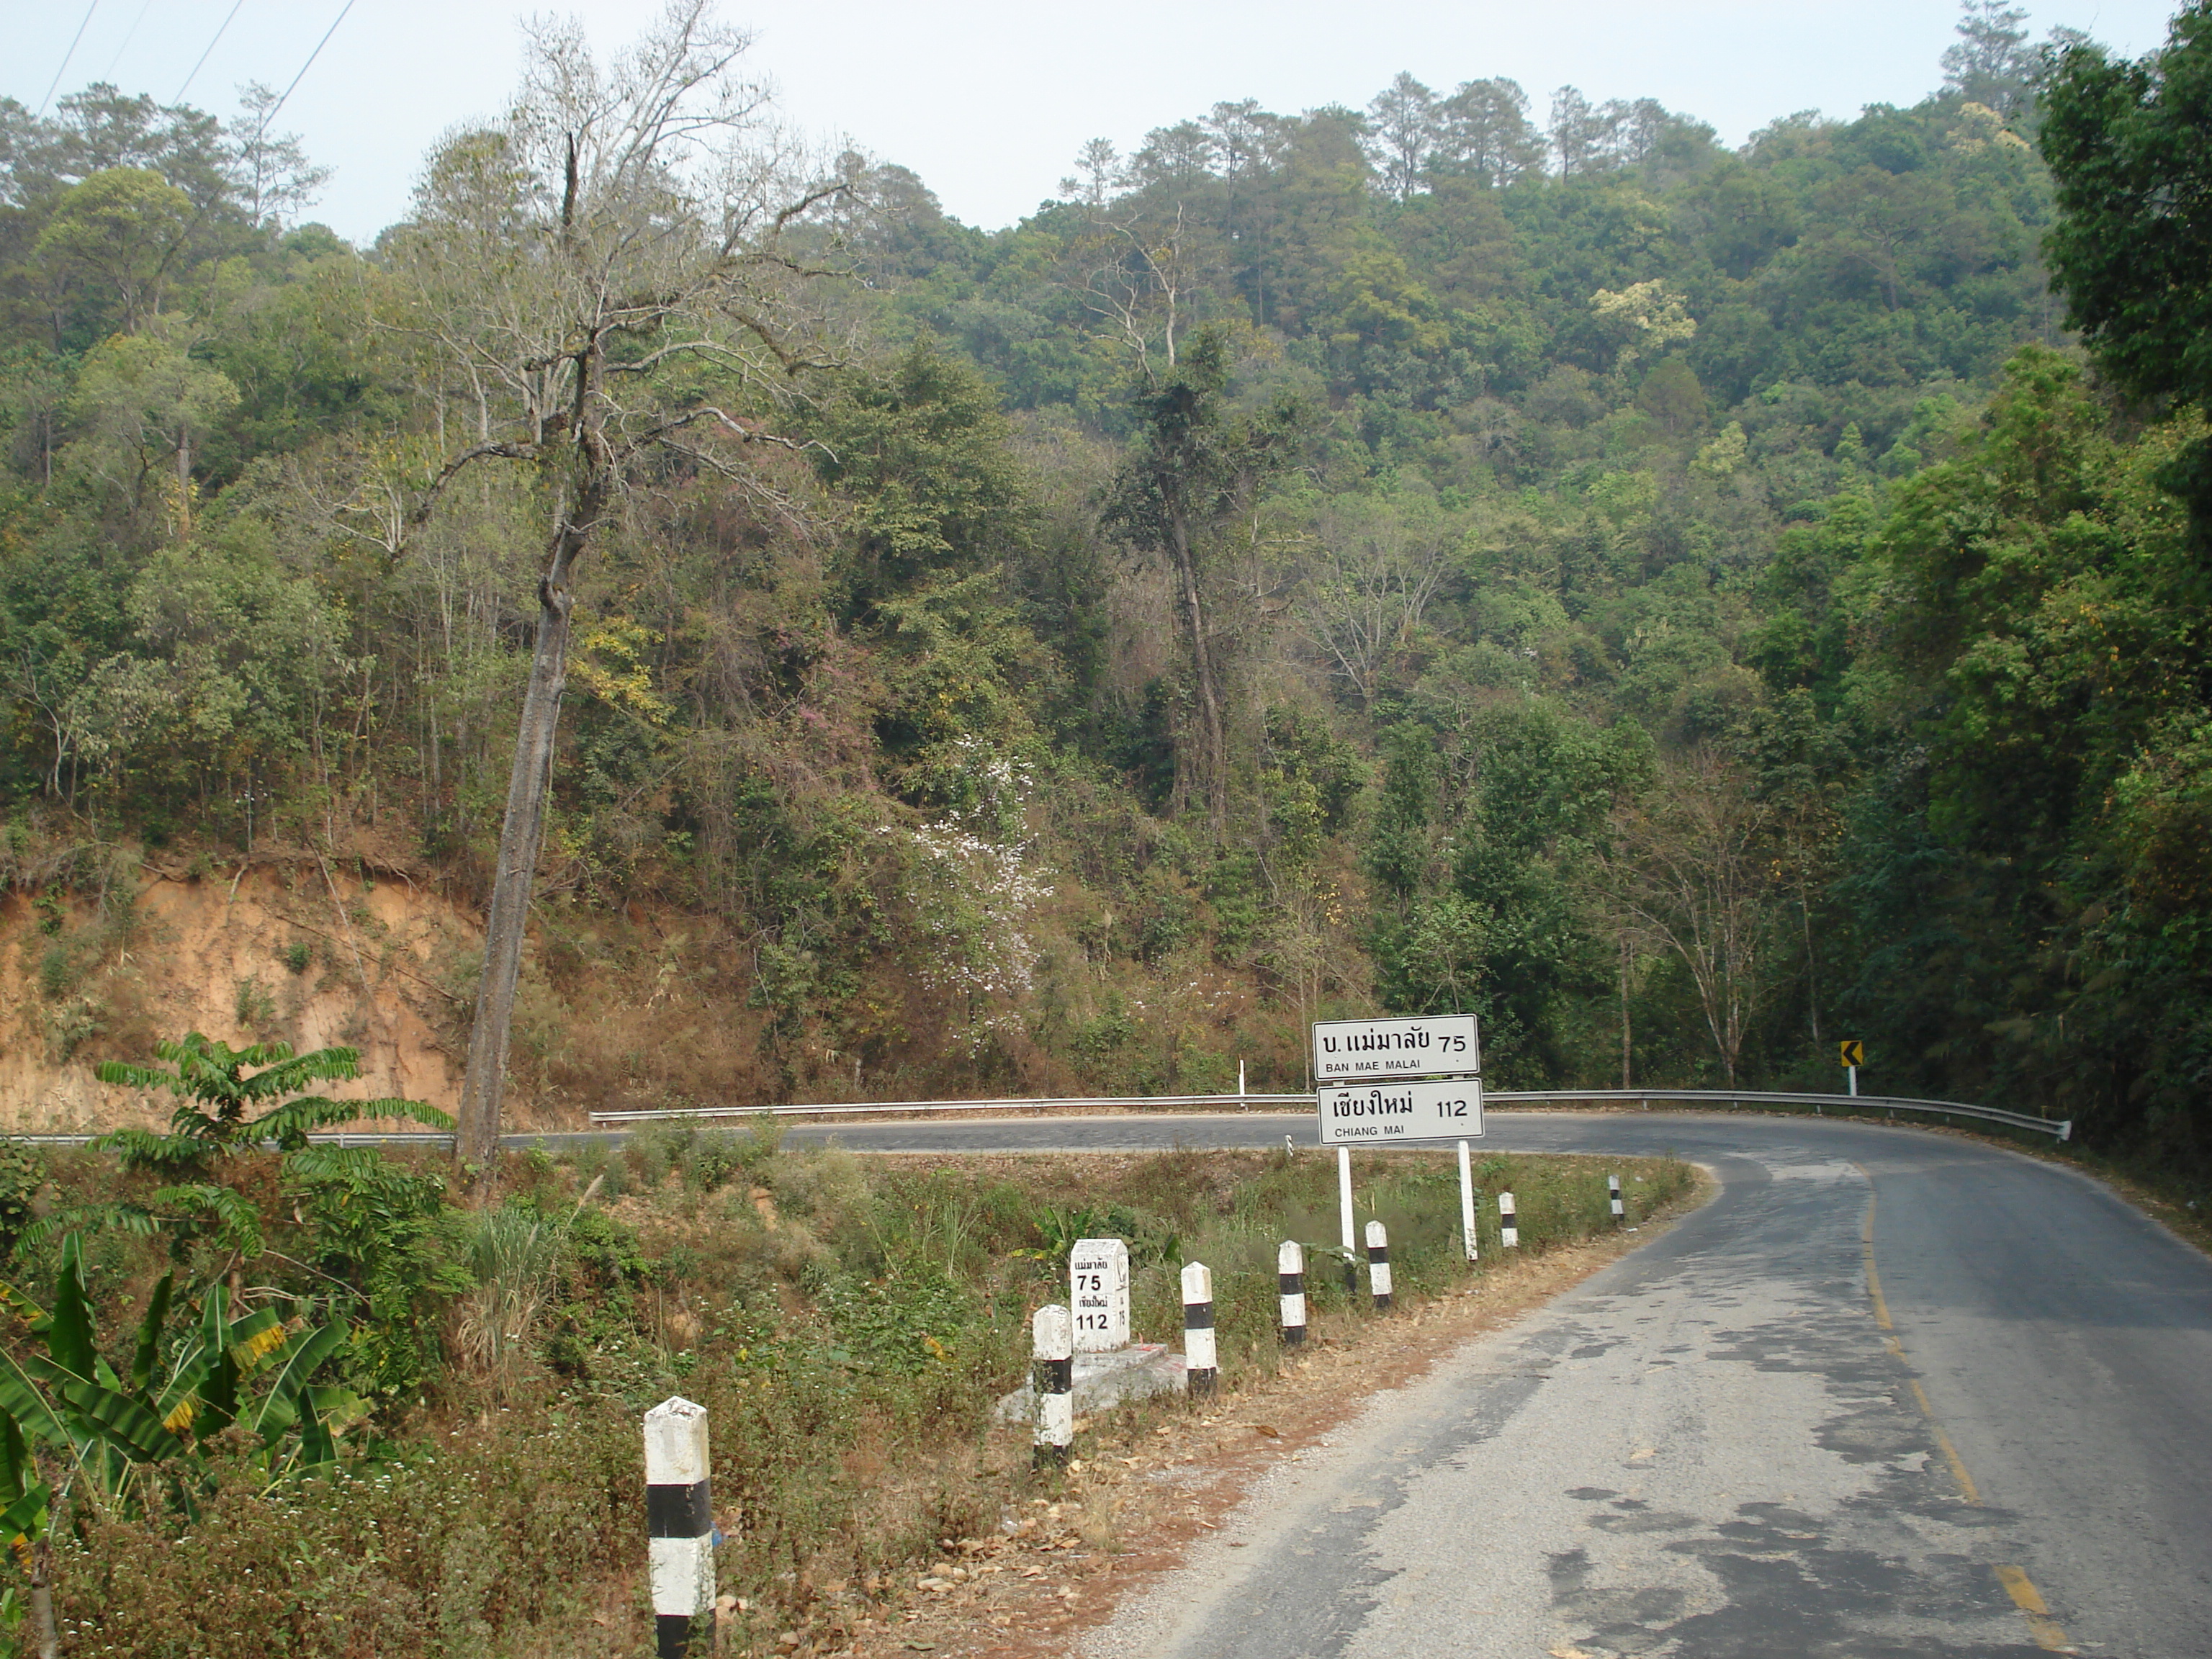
1427	1045
1391	1114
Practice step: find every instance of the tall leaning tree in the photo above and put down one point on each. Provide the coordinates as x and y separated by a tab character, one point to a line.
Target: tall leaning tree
1198	467
602	284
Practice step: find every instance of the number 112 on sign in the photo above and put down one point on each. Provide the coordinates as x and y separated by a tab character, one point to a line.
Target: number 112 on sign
1386	1113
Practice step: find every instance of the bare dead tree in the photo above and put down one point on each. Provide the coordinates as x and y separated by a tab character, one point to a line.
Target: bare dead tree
1138	275
604	275
1370	575
1693	872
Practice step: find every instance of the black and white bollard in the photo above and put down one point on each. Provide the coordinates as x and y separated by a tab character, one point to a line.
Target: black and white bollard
1052	1346
679	1520
1202	1359
1509	1224
1378	1264
1612	1189
1290	1280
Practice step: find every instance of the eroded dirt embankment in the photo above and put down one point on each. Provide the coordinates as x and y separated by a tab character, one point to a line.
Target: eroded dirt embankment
315	956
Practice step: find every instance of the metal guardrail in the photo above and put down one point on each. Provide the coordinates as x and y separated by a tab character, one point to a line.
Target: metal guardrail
1054	1102
2061	1129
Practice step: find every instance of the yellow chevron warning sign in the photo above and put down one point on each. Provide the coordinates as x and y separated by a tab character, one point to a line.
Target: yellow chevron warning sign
1850	1053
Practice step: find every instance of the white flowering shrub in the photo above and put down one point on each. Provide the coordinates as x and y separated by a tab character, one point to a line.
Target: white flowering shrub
973	884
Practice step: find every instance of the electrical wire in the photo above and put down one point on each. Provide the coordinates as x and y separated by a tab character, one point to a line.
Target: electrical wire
129	34
304	68
66	56
236	4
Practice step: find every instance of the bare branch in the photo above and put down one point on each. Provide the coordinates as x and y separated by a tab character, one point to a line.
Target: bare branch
420	513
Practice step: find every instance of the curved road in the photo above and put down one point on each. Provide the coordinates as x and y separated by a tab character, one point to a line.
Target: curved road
1891	1393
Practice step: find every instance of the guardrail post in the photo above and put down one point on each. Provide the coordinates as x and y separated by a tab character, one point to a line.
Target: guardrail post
1378	1264
1291	1282
1202	1358
1052	1349
1508	1224
679	1522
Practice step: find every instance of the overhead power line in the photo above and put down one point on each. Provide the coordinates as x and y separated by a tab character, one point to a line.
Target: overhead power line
129	35
305	67
66	56
225	24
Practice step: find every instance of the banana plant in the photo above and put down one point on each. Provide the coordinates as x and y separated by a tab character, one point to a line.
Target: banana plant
122	1438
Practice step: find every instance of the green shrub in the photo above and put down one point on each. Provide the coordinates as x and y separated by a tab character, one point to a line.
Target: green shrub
22	1172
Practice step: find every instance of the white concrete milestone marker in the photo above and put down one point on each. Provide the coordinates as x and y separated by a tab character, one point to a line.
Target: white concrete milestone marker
1098	1294
1427	1045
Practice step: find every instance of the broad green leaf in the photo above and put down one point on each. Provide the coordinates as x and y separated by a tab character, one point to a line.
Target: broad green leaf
27	1406
24	1520
115	1418
17	1471
205	1387
279	1404
69	1336
150	1333
318	1449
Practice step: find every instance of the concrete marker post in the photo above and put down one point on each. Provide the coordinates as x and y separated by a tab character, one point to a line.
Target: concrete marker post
1378	1264
1508	1224
1202	1358
1620	1211
679	1522
1344	1219
1467	1202
1098	1294
1291	1282
1052	1350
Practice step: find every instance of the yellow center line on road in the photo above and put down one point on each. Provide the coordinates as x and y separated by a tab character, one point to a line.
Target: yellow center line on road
2048	1635
2029	1600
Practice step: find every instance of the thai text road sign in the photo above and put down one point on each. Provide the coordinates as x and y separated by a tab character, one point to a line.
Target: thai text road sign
1852	1053
1392	1113
1429	1045
1098	1291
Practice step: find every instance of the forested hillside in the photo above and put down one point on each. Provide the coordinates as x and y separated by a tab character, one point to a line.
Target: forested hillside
1686	605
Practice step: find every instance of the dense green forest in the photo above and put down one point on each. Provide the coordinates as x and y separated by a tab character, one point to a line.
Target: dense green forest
1685	604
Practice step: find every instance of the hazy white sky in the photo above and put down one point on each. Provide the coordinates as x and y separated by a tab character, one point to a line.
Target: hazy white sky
988	100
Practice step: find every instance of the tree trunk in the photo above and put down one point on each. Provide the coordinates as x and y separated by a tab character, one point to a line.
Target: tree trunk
1213	738
1811	967
521	834
1624	1082
43	1628
184	486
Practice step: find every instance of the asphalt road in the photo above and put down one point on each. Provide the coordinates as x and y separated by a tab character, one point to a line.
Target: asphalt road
1891	1393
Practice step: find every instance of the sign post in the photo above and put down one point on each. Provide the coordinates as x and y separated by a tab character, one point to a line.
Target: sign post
1852	1055
1466	1200
1390	1082
1344	1216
